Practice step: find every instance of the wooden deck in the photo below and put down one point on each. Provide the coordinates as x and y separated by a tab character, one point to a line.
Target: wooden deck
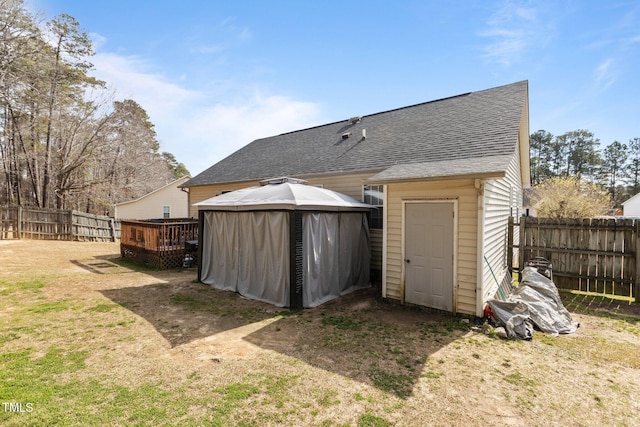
159	243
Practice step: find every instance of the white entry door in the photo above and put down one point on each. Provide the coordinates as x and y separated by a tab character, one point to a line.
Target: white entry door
429	254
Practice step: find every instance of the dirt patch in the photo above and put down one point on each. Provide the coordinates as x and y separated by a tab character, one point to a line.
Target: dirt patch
358	360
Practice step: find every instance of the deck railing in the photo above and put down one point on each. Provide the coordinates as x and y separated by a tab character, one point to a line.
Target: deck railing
160	243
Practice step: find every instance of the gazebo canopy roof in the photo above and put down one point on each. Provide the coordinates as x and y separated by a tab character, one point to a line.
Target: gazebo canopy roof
283	194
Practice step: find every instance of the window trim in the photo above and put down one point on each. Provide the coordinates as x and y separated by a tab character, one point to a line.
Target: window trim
376	220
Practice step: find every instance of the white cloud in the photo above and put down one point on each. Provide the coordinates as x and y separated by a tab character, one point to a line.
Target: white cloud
220	129
258	111
208	49
198	128
98	40
130	77
514	29
605	74
230	25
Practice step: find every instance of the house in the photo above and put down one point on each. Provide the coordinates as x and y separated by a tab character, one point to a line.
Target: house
631	208
169	201
445	176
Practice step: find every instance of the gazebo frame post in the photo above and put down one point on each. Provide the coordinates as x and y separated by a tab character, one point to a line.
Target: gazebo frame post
296	278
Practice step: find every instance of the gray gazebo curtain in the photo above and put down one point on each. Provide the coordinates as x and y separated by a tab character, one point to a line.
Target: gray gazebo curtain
248	252
335	254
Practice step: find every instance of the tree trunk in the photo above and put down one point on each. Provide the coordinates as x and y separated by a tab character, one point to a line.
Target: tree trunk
52	99
10	161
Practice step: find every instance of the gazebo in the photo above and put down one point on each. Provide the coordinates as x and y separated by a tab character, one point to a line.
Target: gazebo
285	243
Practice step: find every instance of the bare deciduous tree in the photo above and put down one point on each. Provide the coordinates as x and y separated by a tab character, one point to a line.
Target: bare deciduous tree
58	147
567	197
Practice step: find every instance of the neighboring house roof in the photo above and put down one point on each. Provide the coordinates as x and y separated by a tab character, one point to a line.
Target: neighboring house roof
178	182
470	134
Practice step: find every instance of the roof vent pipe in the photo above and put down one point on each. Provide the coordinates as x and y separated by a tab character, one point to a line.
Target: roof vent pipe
346	135
355	119
364	134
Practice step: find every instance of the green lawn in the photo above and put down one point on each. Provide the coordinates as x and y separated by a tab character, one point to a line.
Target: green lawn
94	341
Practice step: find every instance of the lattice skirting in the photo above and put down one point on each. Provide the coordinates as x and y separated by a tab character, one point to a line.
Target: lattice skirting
160	260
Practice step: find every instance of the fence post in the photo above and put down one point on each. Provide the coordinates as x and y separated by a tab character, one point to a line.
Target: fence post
72	233
19	222
112	228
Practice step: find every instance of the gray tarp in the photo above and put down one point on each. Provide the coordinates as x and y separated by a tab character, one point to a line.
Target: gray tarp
535	301
248	252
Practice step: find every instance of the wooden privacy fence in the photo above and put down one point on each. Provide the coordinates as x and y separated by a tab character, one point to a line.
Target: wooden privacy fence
160	243
17	222
590	255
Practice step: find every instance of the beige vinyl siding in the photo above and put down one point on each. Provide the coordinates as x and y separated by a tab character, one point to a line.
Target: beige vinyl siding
501	197
376	254
151	205
351	185
466	245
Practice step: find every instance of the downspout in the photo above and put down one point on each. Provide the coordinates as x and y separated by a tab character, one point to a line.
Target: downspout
186	190
479	186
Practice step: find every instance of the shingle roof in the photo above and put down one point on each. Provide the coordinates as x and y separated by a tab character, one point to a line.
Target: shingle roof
489	166
479	129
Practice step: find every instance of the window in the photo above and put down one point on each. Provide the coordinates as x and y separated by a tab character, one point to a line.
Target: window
166	212
374	195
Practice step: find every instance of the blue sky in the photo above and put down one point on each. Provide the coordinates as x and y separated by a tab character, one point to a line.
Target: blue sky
215	75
